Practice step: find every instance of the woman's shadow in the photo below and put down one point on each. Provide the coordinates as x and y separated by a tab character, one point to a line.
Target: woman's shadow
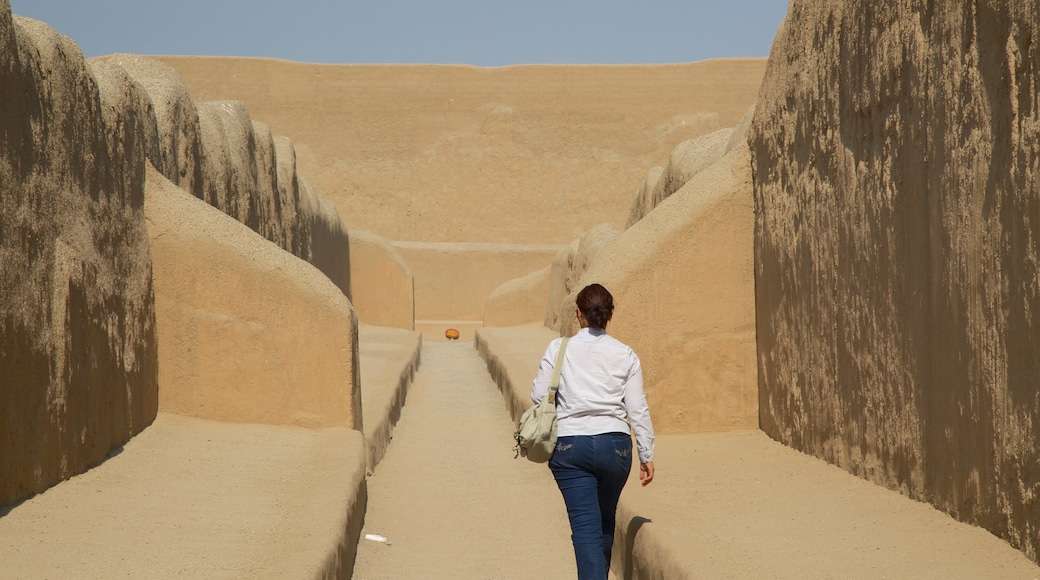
630	540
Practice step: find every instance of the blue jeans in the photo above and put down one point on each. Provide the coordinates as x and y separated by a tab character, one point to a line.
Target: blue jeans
591	471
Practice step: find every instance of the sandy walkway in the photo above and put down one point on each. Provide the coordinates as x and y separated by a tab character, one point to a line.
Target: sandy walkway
449	495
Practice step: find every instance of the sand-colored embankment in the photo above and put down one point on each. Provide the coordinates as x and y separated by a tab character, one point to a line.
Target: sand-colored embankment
200	499
453	281
686	160
458	154
683	286
78	373
894	151
569	265
238	320
512	355
389	360
213	499
384	289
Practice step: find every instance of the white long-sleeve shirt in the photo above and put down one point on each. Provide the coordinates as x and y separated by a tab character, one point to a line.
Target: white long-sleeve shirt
601	389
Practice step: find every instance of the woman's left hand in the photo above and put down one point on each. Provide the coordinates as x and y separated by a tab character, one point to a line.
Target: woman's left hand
646	472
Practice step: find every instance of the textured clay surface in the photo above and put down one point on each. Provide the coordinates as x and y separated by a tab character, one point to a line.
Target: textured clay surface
78	352
895	152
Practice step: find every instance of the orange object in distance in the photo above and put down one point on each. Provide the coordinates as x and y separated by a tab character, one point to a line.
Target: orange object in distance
451	334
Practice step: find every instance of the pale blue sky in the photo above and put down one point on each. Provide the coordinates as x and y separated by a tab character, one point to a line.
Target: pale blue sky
477	32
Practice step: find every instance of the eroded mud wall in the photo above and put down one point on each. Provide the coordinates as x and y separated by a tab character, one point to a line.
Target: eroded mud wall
217	152
78	371
569	265
518	301
683	286
248	332
896	157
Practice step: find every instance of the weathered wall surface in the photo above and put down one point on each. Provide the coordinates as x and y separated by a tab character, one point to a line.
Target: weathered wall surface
78	371
518	301
639	205
384	291
895	151
238	320
569	265
178	154
455	153
453	281
683	284
330	243
217	152
686	160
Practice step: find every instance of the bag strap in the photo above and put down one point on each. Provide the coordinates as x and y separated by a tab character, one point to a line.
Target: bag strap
554	384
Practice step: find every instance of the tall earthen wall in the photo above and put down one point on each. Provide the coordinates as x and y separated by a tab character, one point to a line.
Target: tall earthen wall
385	292
78	348
217	152
247	332
683	284
896	158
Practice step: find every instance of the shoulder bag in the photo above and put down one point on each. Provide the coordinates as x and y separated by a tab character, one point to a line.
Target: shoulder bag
536	434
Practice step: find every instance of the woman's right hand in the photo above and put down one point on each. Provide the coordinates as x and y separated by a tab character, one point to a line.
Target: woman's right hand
646	472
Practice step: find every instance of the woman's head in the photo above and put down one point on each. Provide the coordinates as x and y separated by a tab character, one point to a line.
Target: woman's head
596	305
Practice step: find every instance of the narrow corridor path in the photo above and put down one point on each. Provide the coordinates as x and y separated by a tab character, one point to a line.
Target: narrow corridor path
449	496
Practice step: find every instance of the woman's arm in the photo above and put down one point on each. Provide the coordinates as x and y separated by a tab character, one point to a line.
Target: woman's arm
639	415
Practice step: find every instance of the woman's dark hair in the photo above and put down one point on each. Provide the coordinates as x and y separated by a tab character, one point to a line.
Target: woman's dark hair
596	305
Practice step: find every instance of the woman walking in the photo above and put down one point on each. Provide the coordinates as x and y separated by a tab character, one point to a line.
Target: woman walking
600	403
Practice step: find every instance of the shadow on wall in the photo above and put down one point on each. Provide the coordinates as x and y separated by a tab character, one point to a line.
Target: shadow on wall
78	347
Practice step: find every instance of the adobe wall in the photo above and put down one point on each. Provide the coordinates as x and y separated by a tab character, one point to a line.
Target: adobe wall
897	250
683	283
219	153
687	159
518	301
238	320
453	281
78	372
457	153
383	292
569	265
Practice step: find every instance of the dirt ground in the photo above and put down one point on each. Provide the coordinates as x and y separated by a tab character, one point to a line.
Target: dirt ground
453	503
